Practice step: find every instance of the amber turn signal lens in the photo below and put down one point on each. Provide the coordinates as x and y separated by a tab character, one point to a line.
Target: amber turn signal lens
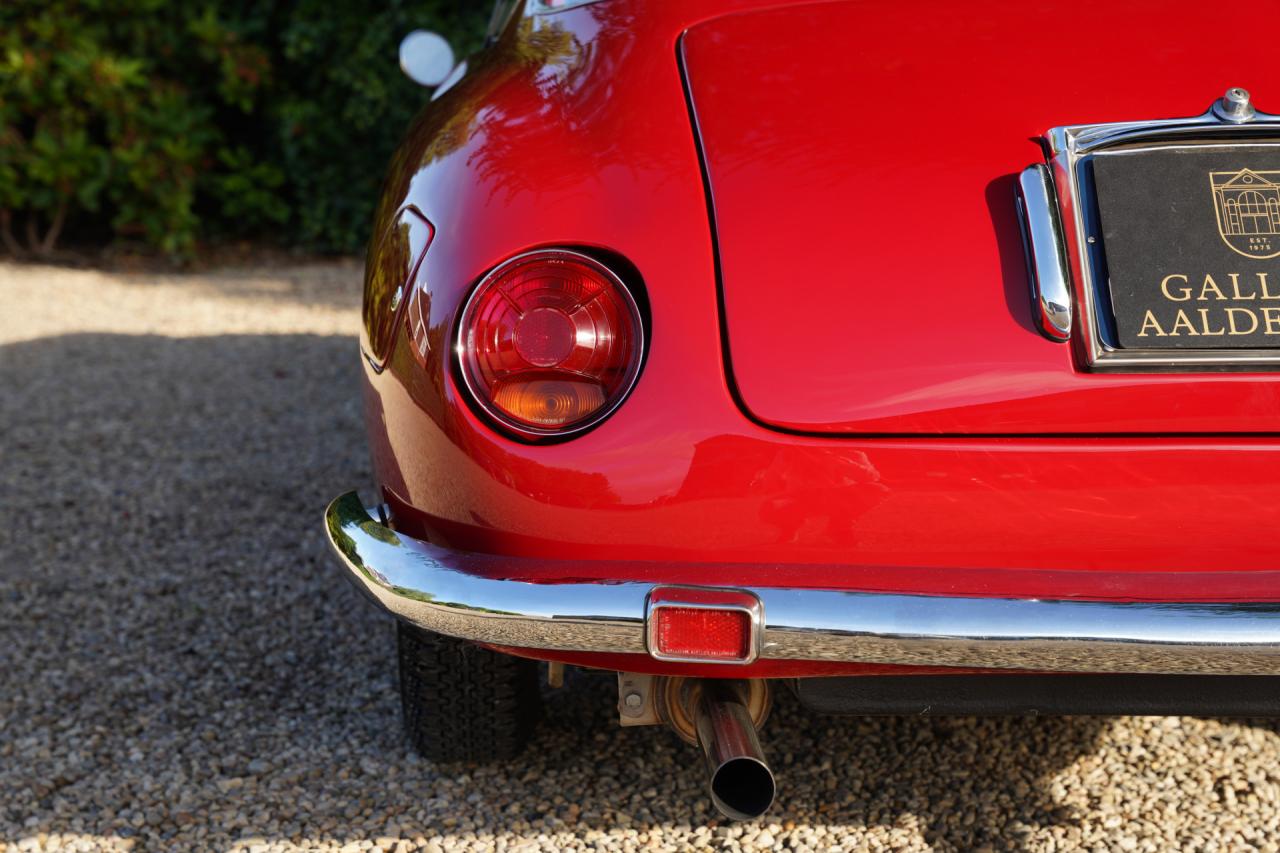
550	342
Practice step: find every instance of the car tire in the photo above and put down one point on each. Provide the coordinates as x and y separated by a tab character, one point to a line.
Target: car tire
462	702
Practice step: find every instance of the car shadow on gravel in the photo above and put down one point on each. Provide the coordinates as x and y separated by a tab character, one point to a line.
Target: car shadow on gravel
961	783
181	666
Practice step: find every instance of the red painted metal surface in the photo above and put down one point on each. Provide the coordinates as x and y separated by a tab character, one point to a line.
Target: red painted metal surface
862	158
574	131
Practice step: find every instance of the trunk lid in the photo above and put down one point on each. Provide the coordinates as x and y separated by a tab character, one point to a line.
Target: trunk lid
861	161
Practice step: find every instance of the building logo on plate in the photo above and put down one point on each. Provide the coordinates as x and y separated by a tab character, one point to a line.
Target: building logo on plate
1248	208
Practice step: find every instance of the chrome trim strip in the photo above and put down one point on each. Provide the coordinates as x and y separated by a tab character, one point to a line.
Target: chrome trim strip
1230	118
1046	253
457	593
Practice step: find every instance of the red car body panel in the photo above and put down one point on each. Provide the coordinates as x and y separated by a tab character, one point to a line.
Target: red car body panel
862	156
574	131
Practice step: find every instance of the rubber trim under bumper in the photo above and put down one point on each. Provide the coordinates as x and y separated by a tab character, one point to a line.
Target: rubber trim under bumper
462	594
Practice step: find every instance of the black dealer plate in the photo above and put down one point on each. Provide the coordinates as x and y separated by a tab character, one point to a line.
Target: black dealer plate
1191	236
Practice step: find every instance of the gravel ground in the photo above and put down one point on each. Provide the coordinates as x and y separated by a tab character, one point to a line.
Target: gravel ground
182	668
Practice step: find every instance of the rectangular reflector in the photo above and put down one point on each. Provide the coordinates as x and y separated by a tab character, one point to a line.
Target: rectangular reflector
702	633
703	624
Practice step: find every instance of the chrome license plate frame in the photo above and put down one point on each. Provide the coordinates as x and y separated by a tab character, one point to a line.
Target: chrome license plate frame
1071	151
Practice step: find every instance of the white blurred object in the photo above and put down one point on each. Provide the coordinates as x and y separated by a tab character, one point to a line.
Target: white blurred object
426	57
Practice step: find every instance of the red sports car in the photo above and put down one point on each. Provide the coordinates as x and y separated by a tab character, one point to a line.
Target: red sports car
914	357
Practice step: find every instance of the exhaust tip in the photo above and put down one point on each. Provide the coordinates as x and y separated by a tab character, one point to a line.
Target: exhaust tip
742	788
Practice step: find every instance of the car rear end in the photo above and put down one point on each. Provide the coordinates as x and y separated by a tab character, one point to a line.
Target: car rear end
817	345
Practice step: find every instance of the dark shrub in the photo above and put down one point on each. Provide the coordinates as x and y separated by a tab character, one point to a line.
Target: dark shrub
165	123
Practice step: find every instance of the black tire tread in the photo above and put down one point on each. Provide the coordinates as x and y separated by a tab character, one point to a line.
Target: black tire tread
462	702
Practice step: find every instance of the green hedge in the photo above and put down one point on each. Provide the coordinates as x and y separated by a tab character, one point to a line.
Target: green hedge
169	123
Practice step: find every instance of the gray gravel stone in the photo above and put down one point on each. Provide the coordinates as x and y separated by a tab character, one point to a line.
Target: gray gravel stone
181	667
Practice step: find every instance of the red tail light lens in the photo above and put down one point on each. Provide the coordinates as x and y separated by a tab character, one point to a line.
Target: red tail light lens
550	343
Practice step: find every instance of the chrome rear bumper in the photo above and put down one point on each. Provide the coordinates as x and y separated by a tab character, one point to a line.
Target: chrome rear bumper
456	593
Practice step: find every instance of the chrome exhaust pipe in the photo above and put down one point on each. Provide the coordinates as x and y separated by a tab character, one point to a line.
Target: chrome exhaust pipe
741	783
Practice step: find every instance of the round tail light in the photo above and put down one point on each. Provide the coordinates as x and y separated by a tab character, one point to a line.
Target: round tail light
549	343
